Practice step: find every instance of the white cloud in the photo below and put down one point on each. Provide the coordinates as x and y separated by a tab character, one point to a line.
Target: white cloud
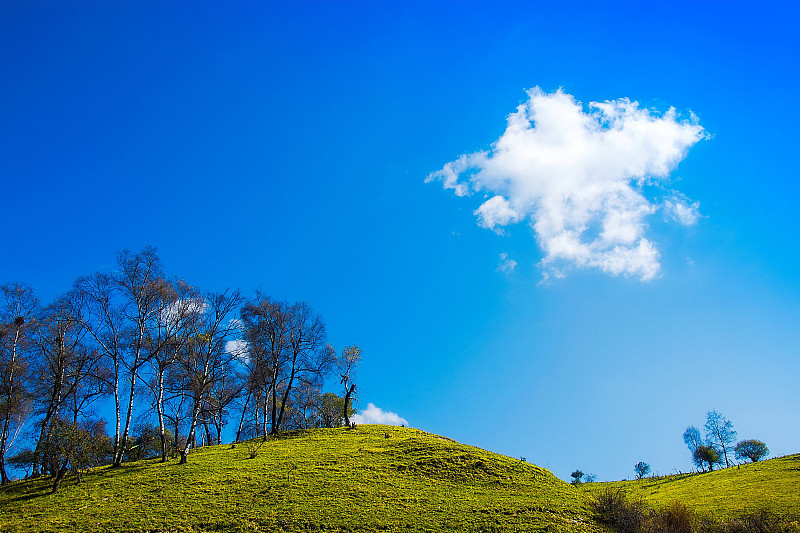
495	213
238	348
375	415
680	209
577	175
506	263
182	309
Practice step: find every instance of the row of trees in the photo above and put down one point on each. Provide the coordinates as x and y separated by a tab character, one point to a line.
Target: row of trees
713	450
718	444
175	362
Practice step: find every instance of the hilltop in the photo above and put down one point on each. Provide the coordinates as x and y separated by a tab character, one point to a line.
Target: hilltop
370	478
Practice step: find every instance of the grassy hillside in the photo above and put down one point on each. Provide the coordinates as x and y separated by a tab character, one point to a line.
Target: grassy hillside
773	485
371	478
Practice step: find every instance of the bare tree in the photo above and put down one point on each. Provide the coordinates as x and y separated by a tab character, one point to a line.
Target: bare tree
17	307
102	315
266	327
121	311
224	391
179	305
205	359
309	358
720	432
59	349
287	347
140	281
351	356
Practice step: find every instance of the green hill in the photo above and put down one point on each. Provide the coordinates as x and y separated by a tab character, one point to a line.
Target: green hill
772	485
371	478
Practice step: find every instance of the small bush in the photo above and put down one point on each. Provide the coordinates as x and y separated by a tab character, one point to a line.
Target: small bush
677	518
253	446
761	521
613	508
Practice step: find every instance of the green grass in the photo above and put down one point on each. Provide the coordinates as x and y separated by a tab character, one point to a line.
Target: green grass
371	478
724	494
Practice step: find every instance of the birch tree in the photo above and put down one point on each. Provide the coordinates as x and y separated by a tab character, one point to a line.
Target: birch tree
18	306
205	360
59	348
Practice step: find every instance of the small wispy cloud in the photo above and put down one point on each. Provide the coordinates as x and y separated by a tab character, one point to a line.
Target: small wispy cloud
577	175
506	263
681	210
375	415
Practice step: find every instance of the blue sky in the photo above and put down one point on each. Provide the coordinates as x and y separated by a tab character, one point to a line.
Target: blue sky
286	146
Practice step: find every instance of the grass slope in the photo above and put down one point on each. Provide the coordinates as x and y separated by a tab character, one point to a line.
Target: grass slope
371	478
773	485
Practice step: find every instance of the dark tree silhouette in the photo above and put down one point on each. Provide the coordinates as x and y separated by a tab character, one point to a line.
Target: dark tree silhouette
752	449
707	455
642	469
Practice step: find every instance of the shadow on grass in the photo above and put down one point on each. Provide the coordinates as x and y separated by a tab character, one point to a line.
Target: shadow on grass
29	489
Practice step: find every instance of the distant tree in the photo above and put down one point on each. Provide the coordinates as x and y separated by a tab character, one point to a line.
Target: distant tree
692	438
577	477
719	431
350	358
642	469
693	441
752	449
589	478
707	454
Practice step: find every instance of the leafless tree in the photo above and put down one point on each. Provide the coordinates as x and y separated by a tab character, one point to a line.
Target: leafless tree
266	326
122	312
287	346
206	360
348	362
308	356
141	282
720	432
60	352
179	306
102	316
18	306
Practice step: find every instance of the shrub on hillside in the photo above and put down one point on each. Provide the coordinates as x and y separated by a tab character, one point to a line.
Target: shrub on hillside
761	521
613	508
707	455
751	449
676	518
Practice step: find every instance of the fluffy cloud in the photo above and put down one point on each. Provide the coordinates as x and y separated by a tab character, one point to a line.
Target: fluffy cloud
495	213
375	415
577	176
